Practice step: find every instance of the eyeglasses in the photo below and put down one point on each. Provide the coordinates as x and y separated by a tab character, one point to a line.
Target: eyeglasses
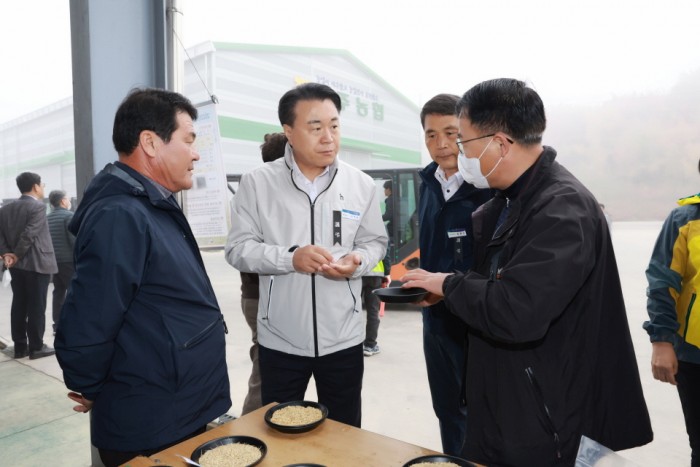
461	143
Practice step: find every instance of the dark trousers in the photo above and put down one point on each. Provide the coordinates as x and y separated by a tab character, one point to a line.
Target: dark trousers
252	401
688	379
338	377
61	280
117	458
444	360
371	303
28	312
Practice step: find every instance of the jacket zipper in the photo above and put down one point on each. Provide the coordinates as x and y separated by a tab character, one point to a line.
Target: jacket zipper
312	204
548	418
687	315
269	298
200	335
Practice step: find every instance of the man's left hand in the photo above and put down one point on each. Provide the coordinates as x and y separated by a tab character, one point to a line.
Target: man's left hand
343	268
430	281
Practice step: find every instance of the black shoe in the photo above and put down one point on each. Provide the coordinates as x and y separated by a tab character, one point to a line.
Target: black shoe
21	353
44	351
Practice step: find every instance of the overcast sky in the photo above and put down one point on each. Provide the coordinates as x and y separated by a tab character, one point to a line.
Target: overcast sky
572	52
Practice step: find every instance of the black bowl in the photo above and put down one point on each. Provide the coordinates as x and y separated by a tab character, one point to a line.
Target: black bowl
215	443
439	458
296	428
399	295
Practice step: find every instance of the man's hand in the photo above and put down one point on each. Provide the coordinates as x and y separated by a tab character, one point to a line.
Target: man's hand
664	363
430	281
386	280
10	259
85	405
344	267
310	258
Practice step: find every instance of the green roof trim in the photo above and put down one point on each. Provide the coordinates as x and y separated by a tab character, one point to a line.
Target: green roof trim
59	158
247	130
316	51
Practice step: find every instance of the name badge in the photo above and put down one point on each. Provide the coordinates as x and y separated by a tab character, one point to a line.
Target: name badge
348	214
456	233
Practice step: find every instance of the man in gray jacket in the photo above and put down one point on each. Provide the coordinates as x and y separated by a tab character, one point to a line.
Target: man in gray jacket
311	227
25	245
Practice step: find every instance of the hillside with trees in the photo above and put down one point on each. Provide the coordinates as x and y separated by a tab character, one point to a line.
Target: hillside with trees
638	154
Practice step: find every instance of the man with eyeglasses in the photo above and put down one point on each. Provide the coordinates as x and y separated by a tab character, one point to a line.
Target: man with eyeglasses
25	245
445	208
550	357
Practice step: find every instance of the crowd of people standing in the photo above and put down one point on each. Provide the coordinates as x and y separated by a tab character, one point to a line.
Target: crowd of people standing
525	334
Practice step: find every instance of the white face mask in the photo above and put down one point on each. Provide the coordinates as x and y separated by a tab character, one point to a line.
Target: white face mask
470	169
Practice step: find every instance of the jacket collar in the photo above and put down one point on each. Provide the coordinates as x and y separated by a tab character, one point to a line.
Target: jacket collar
141	185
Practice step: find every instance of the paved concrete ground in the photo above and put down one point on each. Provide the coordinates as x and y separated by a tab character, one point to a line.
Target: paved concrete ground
39	428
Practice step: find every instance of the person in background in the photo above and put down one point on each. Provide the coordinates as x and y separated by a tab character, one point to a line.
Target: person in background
311	226
388	216
25	245
141	336
63	241
550	356
674	313
375	279
271	149
445	210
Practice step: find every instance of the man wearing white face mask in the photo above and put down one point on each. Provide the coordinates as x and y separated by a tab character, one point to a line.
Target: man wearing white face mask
550	356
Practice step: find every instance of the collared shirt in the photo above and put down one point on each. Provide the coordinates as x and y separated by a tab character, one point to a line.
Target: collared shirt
449	185
161	189
311	188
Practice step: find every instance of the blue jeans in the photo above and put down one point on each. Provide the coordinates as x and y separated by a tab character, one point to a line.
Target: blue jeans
444	348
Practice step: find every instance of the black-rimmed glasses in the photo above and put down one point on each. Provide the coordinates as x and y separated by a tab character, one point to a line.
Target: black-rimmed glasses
460	143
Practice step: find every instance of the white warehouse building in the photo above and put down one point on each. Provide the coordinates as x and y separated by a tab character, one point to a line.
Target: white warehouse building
380	127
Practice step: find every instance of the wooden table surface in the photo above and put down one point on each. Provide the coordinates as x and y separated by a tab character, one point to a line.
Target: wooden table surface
332	444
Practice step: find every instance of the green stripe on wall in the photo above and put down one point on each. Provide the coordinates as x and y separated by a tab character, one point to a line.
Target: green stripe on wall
246	130
60	158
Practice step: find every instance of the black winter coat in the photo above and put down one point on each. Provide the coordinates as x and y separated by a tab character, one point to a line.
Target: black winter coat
550	352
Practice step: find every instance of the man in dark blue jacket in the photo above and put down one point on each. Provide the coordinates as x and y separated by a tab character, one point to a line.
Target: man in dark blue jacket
445	208
141	335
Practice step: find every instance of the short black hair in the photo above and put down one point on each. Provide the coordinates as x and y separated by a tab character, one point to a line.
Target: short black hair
55	197
442	104
304	92
273	147
387	184
148	109
26	181
506	105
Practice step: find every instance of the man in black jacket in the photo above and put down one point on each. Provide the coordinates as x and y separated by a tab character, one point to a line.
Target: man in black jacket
550	353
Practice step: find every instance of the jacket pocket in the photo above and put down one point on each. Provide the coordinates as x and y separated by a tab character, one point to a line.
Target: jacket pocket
189	343
543	409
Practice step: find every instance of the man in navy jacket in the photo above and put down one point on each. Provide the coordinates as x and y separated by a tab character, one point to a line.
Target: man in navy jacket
445	209
141	335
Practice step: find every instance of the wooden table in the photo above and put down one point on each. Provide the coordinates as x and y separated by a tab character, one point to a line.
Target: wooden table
333	444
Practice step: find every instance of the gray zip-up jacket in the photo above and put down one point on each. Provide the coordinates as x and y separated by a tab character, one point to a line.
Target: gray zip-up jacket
305	314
